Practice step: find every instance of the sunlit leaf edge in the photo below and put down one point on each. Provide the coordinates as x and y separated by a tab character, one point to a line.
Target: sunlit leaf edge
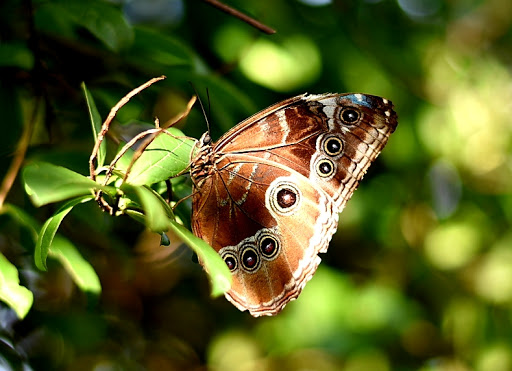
96	124
218	272
47	183
18	297
80	270
49	230
156	212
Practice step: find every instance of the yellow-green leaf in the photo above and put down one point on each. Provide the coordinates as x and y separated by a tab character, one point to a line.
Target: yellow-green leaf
12	293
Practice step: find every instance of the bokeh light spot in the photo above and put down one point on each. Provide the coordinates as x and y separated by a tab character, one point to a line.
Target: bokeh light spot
463	322
495	357
282	67
493	276
367	359
235	351
471	124
450	246
231	40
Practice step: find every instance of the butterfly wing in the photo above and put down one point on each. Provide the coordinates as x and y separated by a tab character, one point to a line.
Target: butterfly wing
302	133
267	247
269	198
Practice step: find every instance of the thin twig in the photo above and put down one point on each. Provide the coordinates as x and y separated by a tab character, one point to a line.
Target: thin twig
142	147
180	116
152	133
19	155
125	149
110	117
243	17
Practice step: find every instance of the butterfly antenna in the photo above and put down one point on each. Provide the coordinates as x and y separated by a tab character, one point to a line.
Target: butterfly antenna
202	107
209	108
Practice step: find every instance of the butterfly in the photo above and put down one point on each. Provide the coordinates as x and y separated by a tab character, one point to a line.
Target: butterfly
268	193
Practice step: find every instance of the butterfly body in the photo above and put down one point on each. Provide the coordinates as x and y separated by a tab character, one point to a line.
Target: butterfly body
268	193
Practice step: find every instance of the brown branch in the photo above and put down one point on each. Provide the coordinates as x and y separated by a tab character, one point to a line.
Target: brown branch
19	155
243	17
180	116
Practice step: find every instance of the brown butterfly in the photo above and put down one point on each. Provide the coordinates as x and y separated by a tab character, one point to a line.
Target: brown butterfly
267	195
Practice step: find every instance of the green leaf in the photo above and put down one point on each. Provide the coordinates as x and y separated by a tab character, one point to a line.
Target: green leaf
79	269
154	49
12	293
96	123
157	212
166	157
218	272
46	183
101	19
15	54
49	229
61	249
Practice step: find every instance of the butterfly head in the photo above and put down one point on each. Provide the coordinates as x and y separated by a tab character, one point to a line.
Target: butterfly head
206	140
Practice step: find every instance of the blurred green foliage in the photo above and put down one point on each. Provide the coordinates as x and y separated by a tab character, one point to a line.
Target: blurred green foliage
419	274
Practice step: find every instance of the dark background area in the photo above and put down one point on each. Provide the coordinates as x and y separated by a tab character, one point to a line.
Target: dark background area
419	274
